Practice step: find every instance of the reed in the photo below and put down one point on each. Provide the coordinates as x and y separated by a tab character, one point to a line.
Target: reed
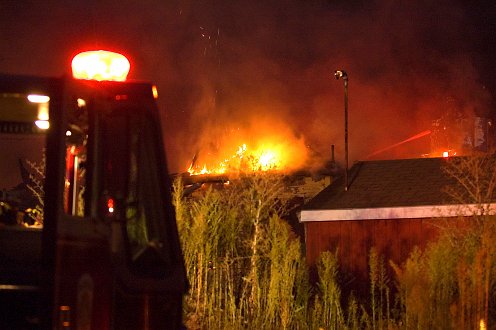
245	266
247	271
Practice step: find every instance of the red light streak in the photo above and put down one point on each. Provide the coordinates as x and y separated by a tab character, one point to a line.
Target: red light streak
415	137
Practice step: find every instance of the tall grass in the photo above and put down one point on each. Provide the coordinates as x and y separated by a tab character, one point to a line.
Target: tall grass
244	264
327	309
448	286
247	271
380	304
246	267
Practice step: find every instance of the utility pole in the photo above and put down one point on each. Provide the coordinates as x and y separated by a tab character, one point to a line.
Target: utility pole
342	74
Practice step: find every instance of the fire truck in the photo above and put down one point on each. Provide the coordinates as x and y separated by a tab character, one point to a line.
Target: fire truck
88	238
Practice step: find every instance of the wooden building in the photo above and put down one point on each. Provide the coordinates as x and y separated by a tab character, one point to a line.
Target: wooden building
392	205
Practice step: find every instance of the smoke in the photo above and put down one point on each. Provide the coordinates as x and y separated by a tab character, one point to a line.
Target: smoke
238	70
407	62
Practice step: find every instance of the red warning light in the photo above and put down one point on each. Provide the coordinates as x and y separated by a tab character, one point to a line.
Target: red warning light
110	205
100	65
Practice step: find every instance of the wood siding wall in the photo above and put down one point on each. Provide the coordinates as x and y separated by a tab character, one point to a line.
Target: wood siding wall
394	239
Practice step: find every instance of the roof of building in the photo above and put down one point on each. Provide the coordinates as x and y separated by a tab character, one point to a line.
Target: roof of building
387	183
390	189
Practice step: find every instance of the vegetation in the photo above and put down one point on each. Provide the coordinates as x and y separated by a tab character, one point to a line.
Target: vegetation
247	269
450	285
245	266
27	207
35	186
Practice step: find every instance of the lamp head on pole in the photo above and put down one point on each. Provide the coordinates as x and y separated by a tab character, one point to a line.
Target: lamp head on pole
340	74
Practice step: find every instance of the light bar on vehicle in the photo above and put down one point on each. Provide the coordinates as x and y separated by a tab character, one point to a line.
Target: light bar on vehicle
42	102
100	65
36	98
42	124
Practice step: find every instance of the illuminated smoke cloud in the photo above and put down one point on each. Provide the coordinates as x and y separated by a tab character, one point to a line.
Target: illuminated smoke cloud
256	68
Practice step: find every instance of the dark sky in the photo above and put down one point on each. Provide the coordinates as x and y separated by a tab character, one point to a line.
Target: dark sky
232	69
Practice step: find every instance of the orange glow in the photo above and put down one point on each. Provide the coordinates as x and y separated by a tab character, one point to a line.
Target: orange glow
443	153
267	159
263	158
264	143
100	65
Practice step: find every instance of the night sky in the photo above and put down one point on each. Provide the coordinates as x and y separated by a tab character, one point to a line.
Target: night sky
233	70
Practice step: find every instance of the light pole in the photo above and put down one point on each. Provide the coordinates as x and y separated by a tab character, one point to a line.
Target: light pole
342	74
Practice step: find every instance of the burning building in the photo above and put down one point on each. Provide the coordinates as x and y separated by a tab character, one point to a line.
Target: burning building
265	145
284	158
301	183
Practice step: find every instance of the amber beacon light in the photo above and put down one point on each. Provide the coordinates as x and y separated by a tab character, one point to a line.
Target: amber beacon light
100	65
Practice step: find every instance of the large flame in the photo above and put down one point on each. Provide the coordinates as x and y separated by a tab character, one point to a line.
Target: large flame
274	152
264	143
263	158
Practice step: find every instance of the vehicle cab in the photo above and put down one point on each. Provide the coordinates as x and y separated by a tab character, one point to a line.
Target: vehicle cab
88	237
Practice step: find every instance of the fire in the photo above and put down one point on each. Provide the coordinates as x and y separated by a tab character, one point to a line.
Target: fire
267	159
443	153
263	143
263	158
